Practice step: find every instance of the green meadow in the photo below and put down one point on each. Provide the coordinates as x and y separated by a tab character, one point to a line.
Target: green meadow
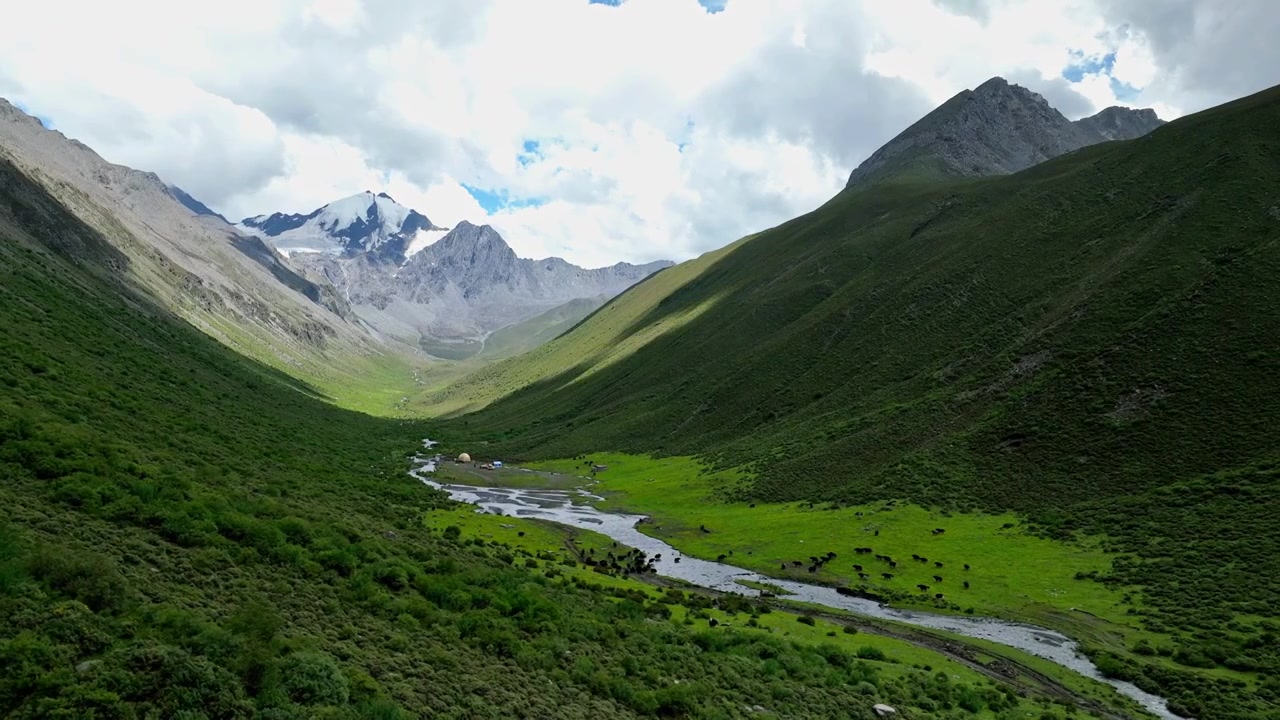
1012	573
556	550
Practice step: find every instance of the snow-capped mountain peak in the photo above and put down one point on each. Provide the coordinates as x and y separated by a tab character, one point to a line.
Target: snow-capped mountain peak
364	222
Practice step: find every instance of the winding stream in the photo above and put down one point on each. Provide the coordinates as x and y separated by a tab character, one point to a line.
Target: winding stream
558	506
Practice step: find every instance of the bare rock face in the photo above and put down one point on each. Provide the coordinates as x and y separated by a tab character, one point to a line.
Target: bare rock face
997	128
1122	123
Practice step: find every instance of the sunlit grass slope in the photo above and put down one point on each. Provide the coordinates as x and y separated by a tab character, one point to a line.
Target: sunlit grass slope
539	329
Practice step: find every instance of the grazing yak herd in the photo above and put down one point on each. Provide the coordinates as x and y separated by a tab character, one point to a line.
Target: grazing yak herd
631	562
865	571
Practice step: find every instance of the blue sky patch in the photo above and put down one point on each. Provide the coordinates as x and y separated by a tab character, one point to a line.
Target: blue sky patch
530	152
1124	91
711	6
685	135
493	201
1099	65
490	201
1082	66
43	119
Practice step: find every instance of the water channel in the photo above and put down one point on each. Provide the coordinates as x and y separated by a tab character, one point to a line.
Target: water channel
559	506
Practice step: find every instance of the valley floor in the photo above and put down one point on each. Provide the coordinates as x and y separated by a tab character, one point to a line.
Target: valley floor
988	565
896	652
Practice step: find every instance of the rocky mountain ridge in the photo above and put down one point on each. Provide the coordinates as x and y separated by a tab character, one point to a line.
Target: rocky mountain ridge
455	291
998	128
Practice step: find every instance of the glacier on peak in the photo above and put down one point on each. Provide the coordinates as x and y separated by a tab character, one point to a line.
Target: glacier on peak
360	223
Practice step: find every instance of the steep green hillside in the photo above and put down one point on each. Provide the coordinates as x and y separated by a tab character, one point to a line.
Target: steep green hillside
187	534
1091	343
539	329
515	338
1106	318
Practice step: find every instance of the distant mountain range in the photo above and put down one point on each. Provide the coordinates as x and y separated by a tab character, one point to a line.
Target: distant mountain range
193	204
442	291
291	289
997	128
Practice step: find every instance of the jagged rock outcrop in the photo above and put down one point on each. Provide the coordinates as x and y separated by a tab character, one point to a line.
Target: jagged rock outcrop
1122	123
997	128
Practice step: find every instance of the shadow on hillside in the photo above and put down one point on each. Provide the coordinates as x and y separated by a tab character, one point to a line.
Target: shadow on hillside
258	251
35	212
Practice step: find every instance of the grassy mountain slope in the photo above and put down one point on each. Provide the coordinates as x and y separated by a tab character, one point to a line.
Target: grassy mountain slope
1072	318
512	340
528	334
187	534
1074	342
235	288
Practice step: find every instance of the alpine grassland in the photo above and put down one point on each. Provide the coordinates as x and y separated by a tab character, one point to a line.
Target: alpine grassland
892	649
1084	351
190	534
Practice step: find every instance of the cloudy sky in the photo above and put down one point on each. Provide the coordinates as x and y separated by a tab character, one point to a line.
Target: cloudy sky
593	130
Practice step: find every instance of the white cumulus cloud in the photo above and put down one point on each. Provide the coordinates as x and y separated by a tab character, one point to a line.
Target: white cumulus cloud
654	129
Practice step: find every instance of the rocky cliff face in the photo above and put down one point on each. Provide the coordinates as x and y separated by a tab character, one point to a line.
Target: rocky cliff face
462	287
997	128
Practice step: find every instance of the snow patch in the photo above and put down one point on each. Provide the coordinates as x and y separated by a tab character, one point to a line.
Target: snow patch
393	214
421	240
342	214
372	220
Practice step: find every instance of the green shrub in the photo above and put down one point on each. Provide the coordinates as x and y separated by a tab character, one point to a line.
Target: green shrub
91	579
311	678
866	652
